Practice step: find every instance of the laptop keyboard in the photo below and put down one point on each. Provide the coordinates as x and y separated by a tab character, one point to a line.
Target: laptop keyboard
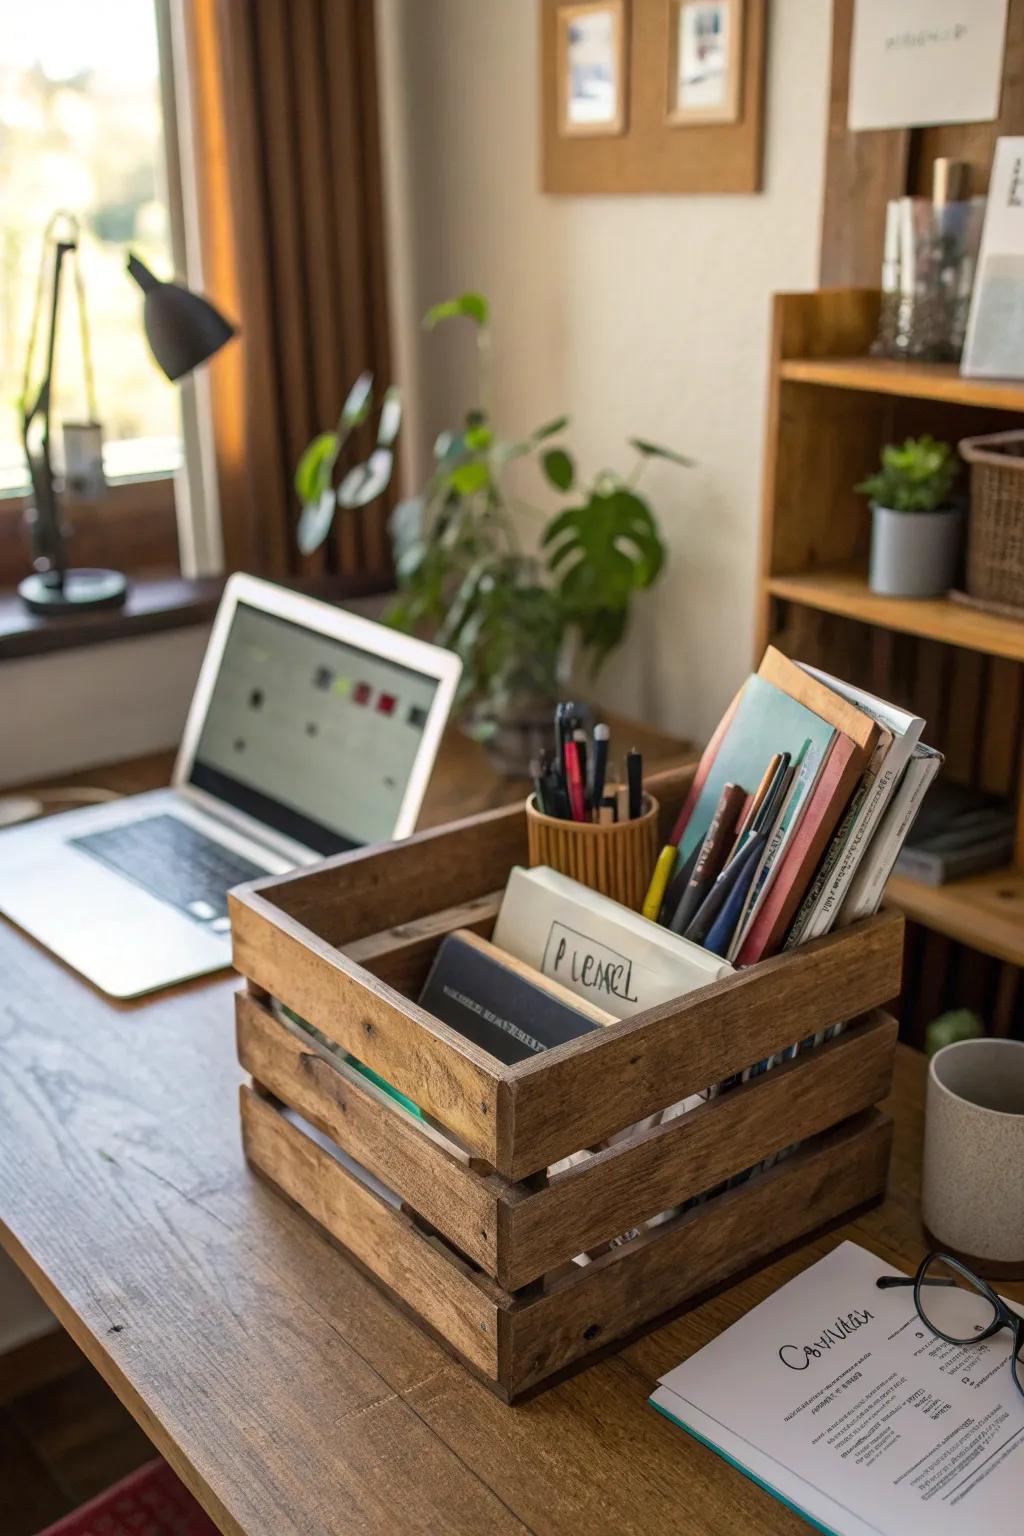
174	862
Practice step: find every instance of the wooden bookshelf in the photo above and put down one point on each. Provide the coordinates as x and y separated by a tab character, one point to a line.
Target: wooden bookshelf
832	408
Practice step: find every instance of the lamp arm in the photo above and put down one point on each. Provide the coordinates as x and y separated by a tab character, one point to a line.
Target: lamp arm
47	535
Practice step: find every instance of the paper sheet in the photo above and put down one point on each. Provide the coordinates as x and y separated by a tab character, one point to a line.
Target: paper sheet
834	1396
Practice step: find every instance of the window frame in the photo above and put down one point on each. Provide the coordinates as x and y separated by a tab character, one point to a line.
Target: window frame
166	520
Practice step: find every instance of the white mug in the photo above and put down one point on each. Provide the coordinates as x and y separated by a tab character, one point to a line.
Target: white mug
973	1190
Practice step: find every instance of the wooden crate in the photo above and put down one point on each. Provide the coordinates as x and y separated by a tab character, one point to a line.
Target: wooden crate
478	1242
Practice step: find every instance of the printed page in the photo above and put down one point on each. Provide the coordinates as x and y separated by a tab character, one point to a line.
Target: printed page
835	1395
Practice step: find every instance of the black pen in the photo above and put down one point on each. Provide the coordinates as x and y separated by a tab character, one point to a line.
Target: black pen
600	768
635	780
579	736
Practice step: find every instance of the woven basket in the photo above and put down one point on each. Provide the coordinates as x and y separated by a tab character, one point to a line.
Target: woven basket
995	530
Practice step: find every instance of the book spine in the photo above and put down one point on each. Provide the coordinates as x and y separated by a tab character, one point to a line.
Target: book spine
866	892
864	823
828	802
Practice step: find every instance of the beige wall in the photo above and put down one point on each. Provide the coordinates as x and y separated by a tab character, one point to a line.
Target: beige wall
644	315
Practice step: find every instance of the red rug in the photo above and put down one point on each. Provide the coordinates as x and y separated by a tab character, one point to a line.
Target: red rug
152	1502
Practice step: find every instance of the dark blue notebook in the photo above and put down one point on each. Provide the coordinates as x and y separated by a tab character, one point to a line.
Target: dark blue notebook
500	1003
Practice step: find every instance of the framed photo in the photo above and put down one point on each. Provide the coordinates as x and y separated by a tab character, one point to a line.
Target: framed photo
705	48
592	68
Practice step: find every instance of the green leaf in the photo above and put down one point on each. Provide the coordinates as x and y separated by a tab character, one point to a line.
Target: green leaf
471	306
314	469
365	482
469	478
656	451
600	554
479	439
315	522
390	417
357	402
550	428
559	468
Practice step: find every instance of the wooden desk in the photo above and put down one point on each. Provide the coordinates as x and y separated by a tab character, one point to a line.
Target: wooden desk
288	1394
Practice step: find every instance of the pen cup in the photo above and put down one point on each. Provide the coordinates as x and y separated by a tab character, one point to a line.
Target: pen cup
617	859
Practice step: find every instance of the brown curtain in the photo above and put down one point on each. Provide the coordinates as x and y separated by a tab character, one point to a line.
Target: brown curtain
284	114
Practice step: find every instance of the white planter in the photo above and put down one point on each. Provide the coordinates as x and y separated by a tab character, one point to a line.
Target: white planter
914	554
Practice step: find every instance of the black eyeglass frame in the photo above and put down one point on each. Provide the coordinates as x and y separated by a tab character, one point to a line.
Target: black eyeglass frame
1004	1316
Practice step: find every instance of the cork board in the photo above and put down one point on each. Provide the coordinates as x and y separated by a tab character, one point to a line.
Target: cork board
650	153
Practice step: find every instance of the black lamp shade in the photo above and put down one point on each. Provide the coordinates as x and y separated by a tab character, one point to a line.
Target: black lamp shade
183	329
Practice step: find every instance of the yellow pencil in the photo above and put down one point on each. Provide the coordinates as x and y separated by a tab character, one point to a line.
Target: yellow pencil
659	880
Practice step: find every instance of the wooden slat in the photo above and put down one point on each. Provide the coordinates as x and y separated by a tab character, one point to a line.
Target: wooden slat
431	1282
577	1094
623	1290
624	1185
440	1070
402	956
374	1130
366	891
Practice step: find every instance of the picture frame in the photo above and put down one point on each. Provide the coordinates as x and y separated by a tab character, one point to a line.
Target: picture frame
592	66
705	61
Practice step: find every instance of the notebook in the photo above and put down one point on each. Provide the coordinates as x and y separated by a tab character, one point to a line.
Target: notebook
602	951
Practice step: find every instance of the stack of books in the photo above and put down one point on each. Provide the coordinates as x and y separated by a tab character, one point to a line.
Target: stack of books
798	811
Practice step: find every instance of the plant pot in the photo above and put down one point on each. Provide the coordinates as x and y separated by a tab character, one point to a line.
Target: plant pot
914	554
513	733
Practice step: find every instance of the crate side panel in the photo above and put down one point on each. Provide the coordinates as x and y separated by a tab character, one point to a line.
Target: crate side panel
382	1239
461	1203
432	1065
578	1094
626	1184
618	1294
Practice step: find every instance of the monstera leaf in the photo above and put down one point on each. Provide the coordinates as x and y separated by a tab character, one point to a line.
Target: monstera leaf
600	553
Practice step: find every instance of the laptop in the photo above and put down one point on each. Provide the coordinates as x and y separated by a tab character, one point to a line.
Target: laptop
311	731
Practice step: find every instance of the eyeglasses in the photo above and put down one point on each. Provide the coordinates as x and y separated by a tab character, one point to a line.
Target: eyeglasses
959	1306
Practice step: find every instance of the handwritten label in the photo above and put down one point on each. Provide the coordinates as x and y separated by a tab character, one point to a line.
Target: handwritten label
587	966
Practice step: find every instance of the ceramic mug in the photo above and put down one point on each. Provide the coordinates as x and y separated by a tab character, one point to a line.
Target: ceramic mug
973	1188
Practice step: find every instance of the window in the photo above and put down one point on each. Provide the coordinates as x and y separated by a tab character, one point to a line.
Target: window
81	130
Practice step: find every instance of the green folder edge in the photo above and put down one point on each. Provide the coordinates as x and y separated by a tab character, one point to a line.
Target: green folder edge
358	1066
780	1498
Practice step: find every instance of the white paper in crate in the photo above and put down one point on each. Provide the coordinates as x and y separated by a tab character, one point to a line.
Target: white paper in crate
596	947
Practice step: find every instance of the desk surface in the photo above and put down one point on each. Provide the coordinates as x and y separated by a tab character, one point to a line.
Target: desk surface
287	1393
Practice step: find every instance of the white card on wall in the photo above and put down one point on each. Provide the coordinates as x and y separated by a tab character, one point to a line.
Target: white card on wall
915	62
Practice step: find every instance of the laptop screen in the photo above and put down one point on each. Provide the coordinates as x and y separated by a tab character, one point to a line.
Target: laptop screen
312	736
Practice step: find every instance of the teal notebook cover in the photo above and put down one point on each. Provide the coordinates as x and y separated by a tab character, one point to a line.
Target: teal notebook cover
766	721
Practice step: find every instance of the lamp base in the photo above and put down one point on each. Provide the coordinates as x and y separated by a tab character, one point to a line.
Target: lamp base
82	592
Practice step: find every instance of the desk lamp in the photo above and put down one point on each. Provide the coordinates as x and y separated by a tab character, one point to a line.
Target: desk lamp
183	330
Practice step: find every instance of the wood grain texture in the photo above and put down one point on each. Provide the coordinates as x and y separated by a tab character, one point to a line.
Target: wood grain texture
652	154
373	1129
447	1075
276	1379
403	955
579	1093
445	1296
622	1290
626	1184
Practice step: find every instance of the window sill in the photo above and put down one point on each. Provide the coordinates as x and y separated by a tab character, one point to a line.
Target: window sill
155	603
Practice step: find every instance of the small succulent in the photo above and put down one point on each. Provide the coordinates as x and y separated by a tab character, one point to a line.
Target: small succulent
916	476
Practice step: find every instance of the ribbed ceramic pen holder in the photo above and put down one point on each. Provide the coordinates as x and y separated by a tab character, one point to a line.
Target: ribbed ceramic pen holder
617	858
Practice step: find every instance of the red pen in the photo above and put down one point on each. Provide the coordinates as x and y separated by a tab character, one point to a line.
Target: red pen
574	782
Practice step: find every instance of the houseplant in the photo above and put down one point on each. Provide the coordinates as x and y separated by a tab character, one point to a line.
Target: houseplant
915	527
518	617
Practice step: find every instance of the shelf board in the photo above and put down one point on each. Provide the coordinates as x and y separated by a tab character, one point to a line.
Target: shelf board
985	912
939	618
919	381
